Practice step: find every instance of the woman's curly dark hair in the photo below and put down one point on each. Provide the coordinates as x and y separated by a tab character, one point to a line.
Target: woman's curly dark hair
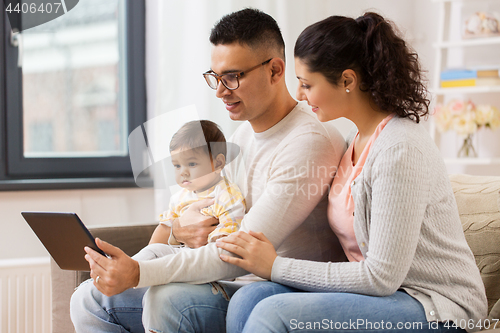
369	45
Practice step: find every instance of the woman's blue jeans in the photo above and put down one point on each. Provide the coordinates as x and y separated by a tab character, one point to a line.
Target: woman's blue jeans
271	307
258	307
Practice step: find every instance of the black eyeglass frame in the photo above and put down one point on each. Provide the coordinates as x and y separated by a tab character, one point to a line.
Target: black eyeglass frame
218	77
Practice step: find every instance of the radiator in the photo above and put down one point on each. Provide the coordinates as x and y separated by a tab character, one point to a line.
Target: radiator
25	296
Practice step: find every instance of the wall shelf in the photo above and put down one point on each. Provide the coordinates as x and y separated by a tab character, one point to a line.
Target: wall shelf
472	161
468	42
466	90
453	0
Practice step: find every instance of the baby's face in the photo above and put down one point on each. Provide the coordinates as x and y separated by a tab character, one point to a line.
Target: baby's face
193	169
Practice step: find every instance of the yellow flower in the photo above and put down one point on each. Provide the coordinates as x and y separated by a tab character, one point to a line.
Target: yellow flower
495	120
465	123
443	119
484	114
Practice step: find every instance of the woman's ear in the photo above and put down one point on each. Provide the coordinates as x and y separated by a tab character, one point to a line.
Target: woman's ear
277	70
219	163
349	80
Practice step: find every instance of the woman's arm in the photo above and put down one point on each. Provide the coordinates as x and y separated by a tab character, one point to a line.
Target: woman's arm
400	192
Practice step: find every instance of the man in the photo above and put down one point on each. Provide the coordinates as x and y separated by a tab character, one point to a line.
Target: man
288	162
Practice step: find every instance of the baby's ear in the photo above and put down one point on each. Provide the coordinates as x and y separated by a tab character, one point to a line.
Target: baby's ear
219	162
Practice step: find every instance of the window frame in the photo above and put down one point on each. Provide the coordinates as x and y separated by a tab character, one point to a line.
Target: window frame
18	172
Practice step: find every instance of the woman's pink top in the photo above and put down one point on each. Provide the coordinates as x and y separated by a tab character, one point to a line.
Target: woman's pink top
341	204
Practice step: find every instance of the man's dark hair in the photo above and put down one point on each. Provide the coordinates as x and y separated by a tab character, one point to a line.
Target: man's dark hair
201	134
251	27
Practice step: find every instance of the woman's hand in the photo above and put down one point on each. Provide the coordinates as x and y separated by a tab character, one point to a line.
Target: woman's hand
256	252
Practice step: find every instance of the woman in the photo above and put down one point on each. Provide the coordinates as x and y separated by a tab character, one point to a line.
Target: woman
391	204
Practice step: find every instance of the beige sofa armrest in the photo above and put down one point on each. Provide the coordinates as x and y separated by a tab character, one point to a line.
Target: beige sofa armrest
478	200
128	238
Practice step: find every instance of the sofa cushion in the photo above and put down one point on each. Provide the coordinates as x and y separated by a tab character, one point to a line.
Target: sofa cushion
478	200
130	239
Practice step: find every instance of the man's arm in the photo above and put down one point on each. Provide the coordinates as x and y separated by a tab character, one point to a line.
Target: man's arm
293	189
119	272
296	184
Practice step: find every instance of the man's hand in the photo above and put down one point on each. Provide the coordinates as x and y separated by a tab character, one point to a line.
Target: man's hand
115	274
193	228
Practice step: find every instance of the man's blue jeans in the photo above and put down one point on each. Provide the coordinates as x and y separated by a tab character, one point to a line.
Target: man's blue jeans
91	311
175	307
271	307
180	307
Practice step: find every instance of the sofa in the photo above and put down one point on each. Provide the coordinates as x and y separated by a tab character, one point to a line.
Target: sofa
478	199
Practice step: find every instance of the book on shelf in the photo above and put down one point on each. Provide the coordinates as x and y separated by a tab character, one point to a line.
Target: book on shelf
480	81
458	74
487	76
458	83
487	73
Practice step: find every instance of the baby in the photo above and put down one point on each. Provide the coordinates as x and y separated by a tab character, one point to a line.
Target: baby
198	152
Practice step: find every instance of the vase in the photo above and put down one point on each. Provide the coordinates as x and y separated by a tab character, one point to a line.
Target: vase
467	149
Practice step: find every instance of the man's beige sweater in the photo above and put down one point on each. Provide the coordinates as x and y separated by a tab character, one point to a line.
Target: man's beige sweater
285	174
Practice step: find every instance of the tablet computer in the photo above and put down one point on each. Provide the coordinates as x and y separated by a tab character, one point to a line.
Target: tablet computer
64	236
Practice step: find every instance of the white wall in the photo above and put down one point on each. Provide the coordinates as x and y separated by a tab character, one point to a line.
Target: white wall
94	207
416	18
178	49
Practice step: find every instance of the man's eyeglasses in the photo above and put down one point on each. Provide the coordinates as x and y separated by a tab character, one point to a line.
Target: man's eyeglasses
230	80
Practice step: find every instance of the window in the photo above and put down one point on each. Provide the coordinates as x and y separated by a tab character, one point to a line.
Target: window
72	90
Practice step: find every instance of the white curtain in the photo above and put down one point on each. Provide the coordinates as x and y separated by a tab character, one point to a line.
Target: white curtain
178	49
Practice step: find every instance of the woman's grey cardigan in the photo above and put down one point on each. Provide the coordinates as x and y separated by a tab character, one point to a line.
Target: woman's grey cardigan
407	226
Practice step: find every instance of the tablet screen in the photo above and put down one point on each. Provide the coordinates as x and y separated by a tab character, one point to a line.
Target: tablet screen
64	236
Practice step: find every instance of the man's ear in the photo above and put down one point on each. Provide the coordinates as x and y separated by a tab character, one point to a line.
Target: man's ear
219	163
277	69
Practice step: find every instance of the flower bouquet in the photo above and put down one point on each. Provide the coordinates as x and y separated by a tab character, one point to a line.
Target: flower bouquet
465	118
